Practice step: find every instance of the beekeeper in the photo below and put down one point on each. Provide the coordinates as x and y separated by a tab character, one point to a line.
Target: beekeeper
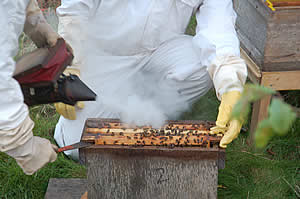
149	35
16	137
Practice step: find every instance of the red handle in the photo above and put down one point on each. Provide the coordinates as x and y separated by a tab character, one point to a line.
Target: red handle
65	148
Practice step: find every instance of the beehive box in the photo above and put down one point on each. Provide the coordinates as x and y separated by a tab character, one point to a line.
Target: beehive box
180	160
270	38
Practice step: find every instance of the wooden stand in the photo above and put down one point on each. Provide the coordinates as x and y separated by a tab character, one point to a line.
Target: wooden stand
279	81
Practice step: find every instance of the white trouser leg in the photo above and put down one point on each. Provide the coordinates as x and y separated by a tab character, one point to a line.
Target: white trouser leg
68	132
173	60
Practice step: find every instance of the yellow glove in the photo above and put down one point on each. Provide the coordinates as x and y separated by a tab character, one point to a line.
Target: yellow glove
68	111
230	128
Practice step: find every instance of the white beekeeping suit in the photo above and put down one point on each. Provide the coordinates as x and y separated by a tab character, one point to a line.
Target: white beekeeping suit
130	36
16	138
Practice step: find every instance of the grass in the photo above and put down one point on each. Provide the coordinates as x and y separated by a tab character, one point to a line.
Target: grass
270	173
14	184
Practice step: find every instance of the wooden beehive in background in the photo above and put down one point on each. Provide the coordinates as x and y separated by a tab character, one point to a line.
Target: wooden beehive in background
270	38
181	160
270	45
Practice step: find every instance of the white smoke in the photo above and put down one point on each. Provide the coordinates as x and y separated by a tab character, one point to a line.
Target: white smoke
137	96
126	88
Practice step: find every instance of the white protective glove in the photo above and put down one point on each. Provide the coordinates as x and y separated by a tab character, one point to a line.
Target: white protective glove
37	28
30	152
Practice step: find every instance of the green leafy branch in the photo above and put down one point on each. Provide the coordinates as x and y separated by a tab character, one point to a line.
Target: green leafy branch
280	114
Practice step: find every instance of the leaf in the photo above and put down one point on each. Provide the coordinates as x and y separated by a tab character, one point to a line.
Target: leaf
263	134
254	92
251	93
241	110
281	116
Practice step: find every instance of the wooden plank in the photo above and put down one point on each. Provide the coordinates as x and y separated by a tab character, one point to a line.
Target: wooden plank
135	174
259	112
286	4
71	188
286	80
282	52
254	72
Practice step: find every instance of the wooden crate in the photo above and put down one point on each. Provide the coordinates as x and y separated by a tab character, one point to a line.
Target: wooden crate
270	45
270	38
118	171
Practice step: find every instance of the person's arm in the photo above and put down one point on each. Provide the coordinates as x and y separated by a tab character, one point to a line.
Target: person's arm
16	137
37	28
216	32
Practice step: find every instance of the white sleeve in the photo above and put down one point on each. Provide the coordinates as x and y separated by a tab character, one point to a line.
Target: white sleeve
80	8
13	111
216	35
73	18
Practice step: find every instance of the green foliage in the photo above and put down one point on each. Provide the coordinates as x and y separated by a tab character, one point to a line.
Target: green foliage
271	173
281	115
281	118
251	93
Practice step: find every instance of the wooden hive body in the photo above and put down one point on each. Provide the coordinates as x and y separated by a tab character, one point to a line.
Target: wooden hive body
155	170
270	38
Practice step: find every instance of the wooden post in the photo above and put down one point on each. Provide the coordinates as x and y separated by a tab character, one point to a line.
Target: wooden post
259	112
